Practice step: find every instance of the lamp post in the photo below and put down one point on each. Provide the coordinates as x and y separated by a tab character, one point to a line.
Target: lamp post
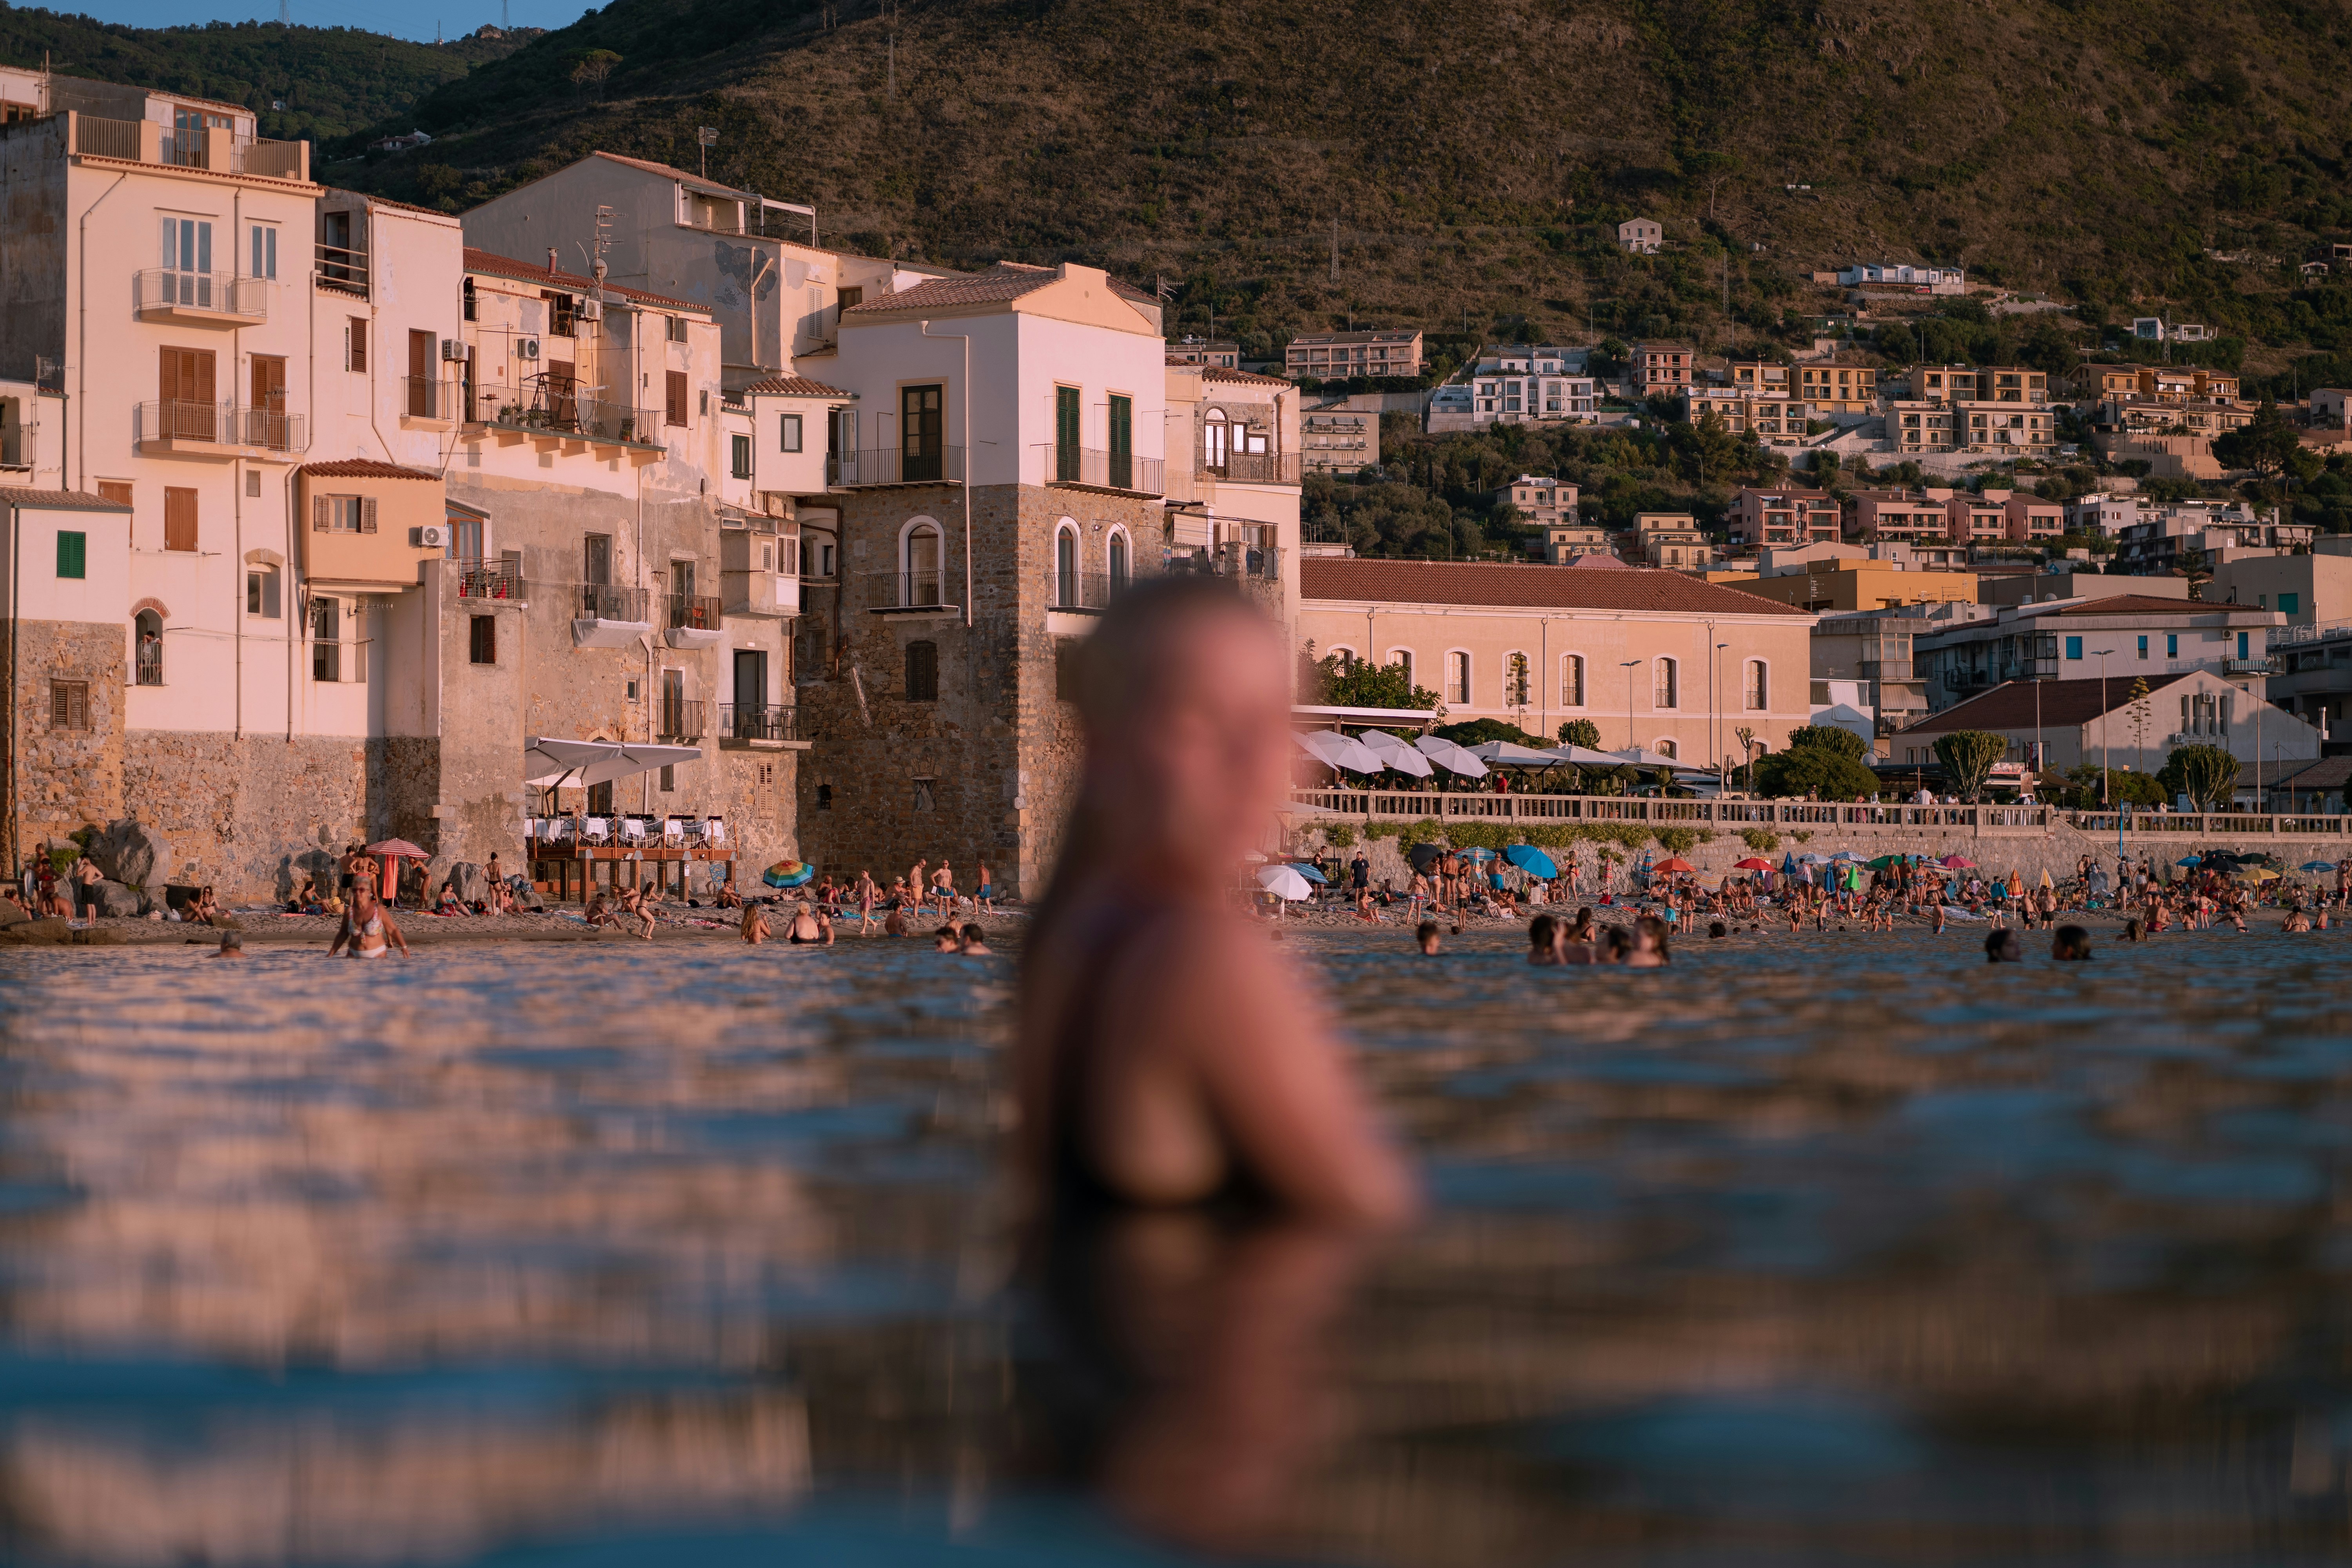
1715	718
2107	796
1629	666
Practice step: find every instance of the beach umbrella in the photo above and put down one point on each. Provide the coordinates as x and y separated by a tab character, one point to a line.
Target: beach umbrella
1396	751
1810	858
1336	751
1674	864
1477	854
1425	856
1307	871
1284	882
399	849
2045	878
1788	862
1845	855
1884	861
1450	757
1586	757
2190	861
2316	867
788	874
1751	863
1957	863
1509	754
1531	861
2256	874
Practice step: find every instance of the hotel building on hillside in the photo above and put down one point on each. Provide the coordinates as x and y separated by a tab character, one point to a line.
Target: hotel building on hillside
1655	659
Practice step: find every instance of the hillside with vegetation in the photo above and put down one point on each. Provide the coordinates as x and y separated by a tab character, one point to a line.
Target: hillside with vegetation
333	80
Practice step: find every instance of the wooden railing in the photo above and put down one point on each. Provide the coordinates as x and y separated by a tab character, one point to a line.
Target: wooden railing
1379	805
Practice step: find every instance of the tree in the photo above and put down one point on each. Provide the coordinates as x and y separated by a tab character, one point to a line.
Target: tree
591	66
2206	775
1580	733
1479	731
1827	772
2082	785
2267	443
1844	742
1359	683
1968	756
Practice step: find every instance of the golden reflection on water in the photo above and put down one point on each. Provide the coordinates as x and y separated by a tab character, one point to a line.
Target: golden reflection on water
1854	1247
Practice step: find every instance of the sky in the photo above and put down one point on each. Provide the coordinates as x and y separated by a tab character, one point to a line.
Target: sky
408	19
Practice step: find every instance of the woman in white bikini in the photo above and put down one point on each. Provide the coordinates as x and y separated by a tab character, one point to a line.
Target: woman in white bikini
367	927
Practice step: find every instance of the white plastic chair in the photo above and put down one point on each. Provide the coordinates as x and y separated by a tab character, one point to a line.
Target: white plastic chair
674	831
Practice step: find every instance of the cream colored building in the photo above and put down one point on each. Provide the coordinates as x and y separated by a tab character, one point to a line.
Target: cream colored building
1655	658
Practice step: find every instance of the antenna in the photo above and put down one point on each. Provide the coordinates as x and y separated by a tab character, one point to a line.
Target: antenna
285	14
506	14
708	135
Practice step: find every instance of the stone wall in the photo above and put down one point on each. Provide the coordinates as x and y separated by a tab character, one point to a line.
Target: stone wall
67	778
249	815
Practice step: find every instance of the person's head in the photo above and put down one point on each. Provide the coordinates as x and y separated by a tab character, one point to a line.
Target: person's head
1426	936
1542	931
974	936
944	938
231	945
1615	944
2001	947
2071	943
1649	935
1715	927
1185	699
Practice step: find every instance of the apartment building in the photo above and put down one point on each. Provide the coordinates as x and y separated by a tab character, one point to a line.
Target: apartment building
1656	660
1338	356
1641	235
1834	387
2066	721
2104	513
1672	541
1770	417
1955	516
2095	383
1339	439
1873	646
2140	635
1784	516
2189	537
1520	384
1903	276
1847	585
1221	352
1659	368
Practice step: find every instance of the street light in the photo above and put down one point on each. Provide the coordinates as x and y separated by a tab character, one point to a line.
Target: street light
1629	666
1715	718
2106	797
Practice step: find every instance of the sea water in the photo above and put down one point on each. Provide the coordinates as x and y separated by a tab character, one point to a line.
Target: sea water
1838	1248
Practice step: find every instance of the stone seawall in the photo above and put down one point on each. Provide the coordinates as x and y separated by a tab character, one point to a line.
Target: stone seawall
249	815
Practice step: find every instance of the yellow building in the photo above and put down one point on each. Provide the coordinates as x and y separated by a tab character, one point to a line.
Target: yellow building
1835	387
1832	586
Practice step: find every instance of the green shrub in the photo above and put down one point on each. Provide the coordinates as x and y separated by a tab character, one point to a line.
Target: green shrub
1339	835
1762	840
1382	830
1676	840
1804	837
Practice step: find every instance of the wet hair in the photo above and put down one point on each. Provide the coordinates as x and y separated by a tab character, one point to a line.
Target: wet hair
1427	930
1616	939
2135	930
1656	931
973	933
1540	931
946	932
1715	927
1997	943
2072	942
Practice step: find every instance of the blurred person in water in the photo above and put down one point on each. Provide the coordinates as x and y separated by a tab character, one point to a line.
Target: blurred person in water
1166	1056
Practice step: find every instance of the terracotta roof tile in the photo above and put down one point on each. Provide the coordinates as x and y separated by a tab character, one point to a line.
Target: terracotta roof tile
2144	605
2012	706
796	387
1004	281
1241	377
366	469
1525	587
60	500
493	265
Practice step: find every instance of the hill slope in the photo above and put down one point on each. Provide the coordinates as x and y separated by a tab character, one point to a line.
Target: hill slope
1475	156
333	80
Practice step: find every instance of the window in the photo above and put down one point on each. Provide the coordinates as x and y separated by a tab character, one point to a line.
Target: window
326	644
343	514
355	343
788	433
923	672
1666	748
1458	678
1402	659
2074	648
69	704
2290	602
1117	563
669	779
1756	693
147	636
2172	644
188	262
824	797
179	517
1065	566
2241	644
674	397
1122	442
473	312
261	591
1571	680
265	251
739	448
919	583
483	641
253	484
2143	647
596	559
117	490
1515	681
73	553
674	329
562	314
1664	684
852	298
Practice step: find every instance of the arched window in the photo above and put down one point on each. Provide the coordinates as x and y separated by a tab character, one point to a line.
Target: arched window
1755	689
1345	655
923	672
1118	563
1402	657
1217	441
148	636
1065	566
1518	680
1458	678
922	558
1571	680
1665	747
1665	689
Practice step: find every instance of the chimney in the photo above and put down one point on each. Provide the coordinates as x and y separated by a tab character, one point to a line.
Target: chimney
551	261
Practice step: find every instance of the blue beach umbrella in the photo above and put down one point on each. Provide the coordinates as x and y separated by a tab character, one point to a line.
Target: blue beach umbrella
1307	871
2191	860
2316	866
1788	863
1531	861
1477	854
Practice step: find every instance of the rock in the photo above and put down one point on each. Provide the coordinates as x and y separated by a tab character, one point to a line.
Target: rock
473	886
131	852
12	914
118	902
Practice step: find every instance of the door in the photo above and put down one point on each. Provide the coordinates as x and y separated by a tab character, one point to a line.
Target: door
423	389
750	694
266	411
561	393
1065	433
1213	437
922	419
1122	443
185	384
673	703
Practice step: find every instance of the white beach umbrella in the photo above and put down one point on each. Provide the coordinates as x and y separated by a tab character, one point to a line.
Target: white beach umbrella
1586	757
1510	754
1450	757
1284	882
1336	751
1396	753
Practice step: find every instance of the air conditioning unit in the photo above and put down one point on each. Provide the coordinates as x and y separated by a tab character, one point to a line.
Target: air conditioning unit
430	536
526	348
592	309
453	349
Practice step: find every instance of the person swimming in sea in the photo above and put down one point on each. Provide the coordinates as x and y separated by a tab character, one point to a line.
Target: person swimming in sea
1426	938
755	924
2070	944
1166	1056
975	942
2000	945
1543	942
368	927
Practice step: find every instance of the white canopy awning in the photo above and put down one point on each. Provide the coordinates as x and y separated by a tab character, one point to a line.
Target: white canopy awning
1450	757
1586	757
1396	751
1510	754
1334	750
574	763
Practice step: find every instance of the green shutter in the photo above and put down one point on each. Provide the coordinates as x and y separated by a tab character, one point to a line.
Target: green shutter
73	554
1122	424
1065	433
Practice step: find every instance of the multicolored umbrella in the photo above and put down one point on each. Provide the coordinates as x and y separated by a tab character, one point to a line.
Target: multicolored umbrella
788	874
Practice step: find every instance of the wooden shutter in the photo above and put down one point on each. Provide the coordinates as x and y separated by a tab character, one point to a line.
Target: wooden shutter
69	704
356	338
115	491
673	407
321	515
73	553
367	514
179	517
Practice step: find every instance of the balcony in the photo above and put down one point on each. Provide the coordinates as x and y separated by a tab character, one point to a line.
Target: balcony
569	417
218	150
1088	592
677	718
342	267
920	592
1083	467
183	428
691	621
604	615
496	580
765	725
199	299
2235	665
431	404
895	466
1252	467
